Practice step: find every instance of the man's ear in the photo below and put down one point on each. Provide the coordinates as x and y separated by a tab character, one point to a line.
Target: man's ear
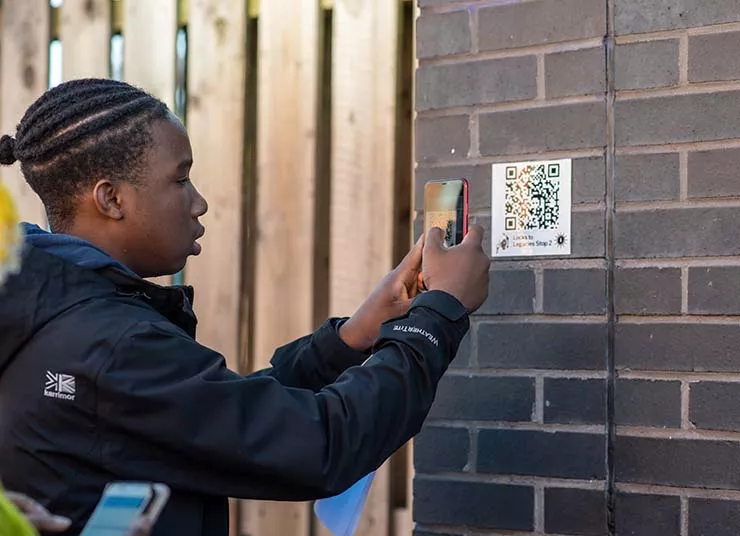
107	198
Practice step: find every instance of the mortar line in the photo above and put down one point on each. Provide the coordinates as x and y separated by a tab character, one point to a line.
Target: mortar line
539	400
474	37
473	452
539	289
683	173
671	376
663	35
683	59
674	491
664	262
541	89
685	396
474	133
699	88
611	369
684	516
539	508
503	53
523	105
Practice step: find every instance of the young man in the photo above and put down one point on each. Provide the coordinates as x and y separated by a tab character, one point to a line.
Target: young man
101	377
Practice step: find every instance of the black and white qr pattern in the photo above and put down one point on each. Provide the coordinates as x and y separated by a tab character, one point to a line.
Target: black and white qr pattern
532	197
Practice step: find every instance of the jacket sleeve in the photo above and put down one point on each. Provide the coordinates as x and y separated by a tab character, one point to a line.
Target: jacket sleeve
171	411
314	361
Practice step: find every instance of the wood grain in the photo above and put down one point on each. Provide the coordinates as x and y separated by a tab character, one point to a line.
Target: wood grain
85	32
363	177
286	164
24	56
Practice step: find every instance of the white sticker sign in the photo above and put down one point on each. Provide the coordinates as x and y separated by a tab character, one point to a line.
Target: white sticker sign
531	206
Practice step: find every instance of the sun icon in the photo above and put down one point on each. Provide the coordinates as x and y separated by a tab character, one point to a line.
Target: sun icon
561	240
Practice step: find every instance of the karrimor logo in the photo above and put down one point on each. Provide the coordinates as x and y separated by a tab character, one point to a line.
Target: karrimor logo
59	386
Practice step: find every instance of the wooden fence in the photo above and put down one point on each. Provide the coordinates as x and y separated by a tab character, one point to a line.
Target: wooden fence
299	113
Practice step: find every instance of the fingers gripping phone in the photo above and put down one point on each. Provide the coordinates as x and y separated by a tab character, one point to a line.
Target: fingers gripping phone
446	207
122	504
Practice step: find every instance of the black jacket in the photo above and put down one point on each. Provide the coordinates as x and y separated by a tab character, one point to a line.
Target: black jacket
101	379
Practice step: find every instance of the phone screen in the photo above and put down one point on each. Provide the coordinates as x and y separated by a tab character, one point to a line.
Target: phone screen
446	207
116	512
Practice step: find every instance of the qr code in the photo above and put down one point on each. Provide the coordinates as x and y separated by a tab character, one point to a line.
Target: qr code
532	197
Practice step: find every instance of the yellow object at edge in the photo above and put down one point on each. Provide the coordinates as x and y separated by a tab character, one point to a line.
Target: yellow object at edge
12	522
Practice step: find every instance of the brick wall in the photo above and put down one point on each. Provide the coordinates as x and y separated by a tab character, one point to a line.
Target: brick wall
597	394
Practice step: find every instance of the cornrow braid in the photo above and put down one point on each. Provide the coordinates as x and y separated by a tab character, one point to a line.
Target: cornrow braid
78	132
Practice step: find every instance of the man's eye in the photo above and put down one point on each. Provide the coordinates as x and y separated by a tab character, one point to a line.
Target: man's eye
184	180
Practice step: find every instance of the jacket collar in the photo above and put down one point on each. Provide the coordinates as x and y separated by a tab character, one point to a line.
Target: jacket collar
175	302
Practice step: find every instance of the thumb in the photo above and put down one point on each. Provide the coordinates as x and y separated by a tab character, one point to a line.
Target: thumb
412	260
50	523
474	236
434	241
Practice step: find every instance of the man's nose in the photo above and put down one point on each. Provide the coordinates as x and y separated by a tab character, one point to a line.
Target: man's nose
200	205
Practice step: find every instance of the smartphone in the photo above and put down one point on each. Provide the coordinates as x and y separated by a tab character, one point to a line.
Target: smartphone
446	207
121	505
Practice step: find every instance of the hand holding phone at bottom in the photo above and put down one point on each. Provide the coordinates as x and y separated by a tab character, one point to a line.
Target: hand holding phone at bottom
461	270
38	516
41	519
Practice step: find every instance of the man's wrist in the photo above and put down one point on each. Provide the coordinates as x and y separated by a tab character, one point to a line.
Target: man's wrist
353	337
443	303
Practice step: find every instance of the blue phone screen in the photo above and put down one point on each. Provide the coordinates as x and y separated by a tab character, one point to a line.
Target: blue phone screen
113	516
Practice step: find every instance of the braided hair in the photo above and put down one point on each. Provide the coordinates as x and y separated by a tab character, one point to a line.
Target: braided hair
77	133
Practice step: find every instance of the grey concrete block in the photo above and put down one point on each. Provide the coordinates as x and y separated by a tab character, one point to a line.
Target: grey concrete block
643	16
443	34
646	65
572	126
442	138
575	72
714	173
679	118
647	177
543	21
476	82
647	291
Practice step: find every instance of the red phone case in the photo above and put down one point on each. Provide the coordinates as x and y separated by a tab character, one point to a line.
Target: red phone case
466	208
465	194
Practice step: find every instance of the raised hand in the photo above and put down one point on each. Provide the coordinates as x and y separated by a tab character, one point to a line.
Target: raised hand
461	270
390	299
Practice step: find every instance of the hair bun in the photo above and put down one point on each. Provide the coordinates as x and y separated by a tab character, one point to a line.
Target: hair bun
7	150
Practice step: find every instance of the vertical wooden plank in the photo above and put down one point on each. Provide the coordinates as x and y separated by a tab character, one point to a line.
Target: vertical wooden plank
409	524
216	75
363	176
23	70
286	163
323	183
402	462
85	34
215	112
149	33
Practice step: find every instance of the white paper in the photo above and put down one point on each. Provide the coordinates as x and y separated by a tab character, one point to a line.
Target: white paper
531	208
